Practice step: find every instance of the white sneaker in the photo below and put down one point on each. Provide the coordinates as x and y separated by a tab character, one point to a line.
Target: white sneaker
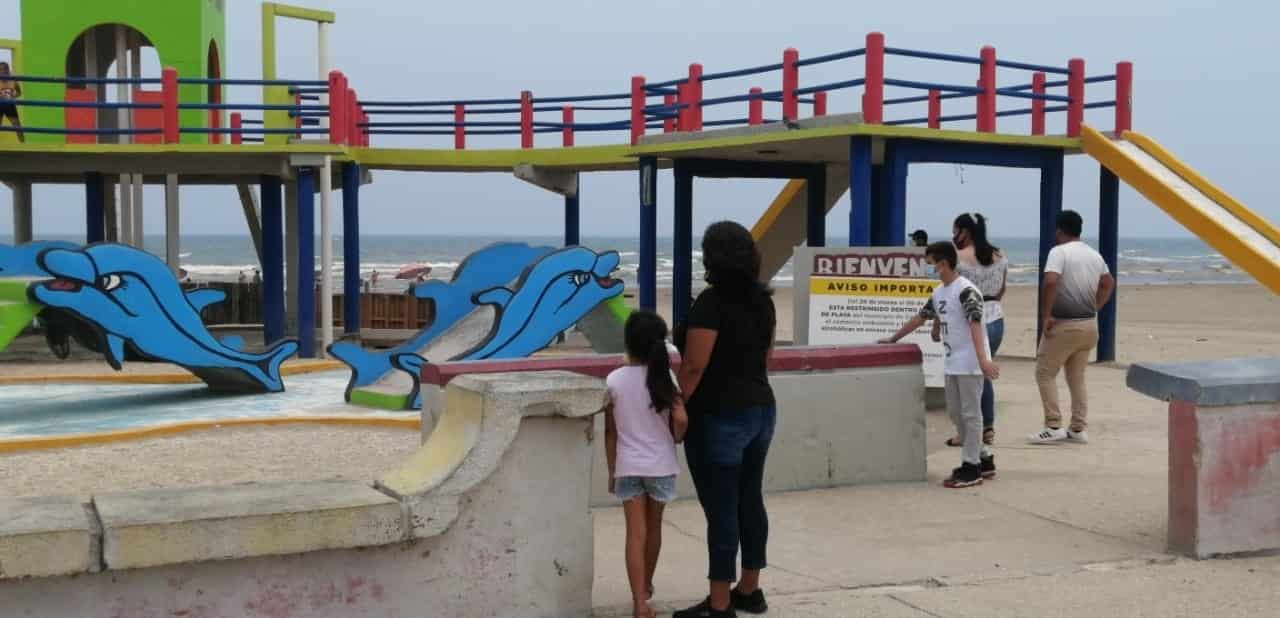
1078	436
1048	435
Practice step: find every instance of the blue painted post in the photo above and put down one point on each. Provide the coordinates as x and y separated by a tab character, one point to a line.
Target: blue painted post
351	248
273	315
95	219
306	280
877	206
682	244
816	208
1050	206
860	191
1109	246
893	213
572	218
647	275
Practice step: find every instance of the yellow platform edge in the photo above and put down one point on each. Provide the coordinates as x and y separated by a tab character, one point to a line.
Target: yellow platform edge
288	369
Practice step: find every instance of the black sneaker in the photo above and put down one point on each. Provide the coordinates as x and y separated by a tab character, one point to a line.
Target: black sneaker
753	603
704	610
966	475
987	466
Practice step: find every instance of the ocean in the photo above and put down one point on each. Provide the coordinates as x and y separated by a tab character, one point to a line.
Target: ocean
223	258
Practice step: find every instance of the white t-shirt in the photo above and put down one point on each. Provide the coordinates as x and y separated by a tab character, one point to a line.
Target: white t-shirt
1079	270
989	279
955	306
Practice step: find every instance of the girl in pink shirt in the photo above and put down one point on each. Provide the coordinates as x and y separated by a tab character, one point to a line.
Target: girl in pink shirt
644	419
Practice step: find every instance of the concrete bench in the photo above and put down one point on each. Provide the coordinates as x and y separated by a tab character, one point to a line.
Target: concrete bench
1224	452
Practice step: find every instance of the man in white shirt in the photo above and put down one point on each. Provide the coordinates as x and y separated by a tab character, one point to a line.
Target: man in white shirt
1077	283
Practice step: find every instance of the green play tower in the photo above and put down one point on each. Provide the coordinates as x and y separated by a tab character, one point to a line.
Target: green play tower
81	39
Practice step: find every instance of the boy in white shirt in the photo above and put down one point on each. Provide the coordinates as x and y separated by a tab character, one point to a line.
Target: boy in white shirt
957	306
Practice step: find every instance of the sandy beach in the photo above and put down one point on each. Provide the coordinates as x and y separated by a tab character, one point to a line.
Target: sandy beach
1157	323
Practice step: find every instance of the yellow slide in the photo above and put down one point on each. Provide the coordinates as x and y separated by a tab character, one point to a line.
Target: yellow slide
782	226
1239	234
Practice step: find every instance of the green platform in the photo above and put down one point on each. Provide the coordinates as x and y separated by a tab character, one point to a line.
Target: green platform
15	312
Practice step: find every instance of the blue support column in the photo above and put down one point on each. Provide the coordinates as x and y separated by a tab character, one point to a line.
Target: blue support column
1109	246
893	183
572	218
351	248
647	276
273	315
95	219
306	280
877	206
816	208
860	187
682	245
1050	206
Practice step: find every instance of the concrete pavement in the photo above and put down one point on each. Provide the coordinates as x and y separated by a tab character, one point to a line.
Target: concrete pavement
1066	530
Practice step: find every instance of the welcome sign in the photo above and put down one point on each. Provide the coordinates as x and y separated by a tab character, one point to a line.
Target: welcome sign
859	295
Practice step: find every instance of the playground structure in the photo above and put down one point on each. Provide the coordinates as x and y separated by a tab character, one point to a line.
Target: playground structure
865	148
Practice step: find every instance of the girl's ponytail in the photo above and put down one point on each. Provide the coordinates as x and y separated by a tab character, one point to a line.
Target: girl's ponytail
662	391
645	337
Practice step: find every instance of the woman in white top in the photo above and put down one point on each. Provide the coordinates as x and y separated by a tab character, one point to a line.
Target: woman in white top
983	264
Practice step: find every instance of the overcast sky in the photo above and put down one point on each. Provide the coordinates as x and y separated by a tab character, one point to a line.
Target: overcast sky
1205	87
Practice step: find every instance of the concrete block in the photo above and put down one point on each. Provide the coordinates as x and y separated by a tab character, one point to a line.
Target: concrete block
1224	478
169	526
835	428
1221	382
46	536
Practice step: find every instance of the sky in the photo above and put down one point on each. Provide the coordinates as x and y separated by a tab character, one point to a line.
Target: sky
1205	86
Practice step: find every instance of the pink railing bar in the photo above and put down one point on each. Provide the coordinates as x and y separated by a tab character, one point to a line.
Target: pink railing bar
1124	96
459	131
790	82
820	103
237	124
695	97
638	98
337	104
1037	105
755	107
668	124
935	109
526	119
566	133
987	98
169	115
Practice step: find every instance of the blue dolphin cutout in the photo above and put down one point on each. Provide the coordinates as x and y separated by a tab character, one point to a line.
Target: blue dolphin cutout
20	260
131	298
551	296
494	265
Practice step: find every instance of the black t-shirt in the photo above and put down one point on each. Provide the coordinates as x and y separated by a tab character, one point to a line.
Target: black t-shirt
737	375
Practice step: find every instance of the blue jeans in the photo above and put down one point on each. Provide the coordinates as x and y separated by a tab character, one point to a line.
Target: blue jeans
726	454
995	334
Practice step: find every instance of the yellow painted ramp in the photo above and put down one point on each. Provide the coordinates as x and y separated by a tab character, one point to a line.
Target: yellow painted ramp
1241	235
782	226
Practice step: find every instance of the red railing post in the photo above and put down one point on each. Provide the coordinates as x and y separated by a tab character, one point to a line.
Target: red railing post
1037	105
873	76
987	101
935	109
526	119
169	105
668	124
638	98
364	119
820	103
459	131
1124	97
566	118
237	124
1075	90
354	130
337	105
682	100
695	97
755	106
790	82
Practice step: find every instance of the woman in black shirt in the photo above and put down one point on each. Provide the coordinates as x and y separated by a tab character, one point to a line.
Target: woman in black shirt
724	374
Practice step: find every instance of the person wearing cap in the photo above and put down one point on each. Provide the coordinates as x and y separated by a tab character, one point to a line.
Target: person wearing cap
920	238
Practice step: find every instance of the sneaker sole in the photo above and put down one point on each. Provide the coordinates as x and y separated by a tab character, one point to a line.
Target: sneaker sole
954	484
989	475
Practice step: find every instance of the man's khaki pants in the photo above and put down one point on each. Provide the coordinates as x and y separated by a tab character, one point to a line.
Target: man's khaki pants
1068	345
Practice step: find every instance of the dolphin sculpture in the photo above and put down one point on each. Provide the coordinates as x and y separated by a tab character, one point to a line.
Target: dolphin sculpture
20	260
551	296
132	299
492	266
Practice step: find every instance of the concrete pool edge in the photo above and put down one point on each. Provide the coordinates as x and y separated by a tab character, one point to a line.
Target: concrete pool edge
34	443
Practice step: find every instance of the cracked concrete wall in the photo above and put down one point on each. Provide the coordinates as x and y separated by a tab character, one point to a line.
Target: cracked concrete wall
835	428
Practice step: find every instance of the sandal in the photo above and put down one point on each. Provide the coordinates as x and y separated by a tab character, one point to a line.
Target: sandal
954	441
989	436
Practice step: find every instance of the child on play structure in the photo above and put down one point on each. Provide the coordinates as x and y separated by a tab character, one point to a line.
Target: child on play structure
10	90
644	419
957	305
